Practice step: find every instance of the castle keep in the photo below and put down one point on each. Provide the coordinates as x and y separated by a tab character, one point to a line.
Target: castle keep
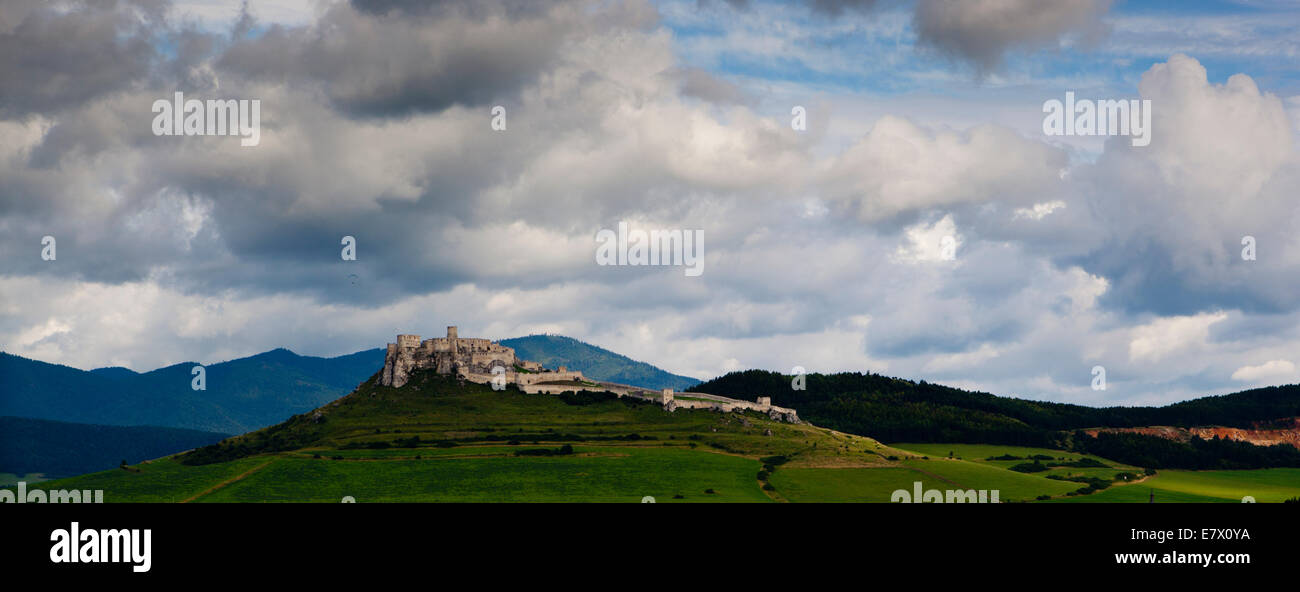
482	361
473	359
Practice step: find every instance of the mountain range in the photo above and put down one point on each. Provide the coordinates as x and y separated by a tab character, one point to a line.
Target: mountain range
250	393
241	395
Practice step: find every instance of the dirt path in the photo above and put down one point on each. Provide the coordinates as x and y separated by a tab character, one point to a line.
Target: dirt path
226	482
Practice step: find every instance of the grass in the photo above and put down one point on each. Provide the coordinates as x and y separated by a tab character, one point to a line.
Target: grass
617	474
1265	485
164	480
623	450
848	485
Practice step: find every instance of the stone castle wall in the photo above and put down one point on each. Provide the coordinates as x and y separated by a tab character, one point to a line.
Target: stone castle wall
445	355
473	359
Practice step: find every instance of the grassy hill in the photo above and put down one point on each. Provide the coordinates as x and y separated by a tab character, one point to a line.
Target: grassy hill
435	439
438	440
594	362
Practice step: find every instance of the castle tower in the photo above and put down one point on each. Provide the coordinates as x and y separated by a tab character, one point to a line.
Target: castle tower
451	332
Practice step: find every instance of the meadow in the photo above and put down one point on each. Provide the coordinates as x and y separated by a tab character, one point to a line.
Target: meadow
439	441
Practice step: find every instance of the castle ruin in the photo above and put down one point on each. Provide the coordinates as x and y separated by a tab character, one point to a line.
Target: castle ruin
474	359
485	362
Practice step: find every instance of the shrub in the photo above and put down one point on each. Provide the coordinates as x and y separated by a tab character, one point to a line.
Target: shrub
1033	467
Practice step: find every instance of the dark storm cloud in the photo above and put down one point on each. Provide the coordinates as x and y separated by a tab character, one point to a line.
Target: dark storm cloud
983	31
701	84
390	60
53	59
838	7
825	7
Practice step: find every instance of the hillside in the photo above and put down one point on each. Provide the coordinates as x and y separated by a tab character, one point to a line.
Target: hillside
242	395
438	440
597	363
894	410
60	449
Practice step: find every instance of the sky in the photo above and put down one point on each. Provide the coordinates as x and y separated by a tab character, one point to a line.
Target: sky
920	223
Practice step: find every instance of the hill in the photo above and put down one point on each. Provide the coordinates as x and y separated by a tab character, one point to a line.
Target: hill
436	439
60	449
242	395
895	410
595	362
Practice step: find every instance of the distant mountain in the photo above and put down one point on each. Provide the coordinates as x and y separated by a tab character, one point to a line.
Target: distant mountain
60	449
254	392
241	395
115	372
595	362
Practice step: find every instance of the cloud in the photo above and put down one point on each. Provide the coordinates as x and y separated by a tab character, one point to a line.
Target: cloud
983	31
699	83
823	248
1166	336
53	59
1221	166
391	59
1270	370
901	167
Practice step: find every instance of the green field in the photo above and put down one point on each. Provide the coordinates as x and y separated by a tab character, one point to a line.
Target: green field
435	440
614	474
1265	485
466	437
848	485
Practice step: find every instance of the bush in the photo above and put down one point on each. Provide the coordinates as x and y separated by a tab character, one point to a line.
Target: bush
1083	463
1033	467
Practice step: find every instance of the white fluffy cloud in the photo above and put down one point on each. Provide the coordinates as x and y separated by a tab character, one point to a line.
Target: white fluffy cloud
1270	370
821	254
